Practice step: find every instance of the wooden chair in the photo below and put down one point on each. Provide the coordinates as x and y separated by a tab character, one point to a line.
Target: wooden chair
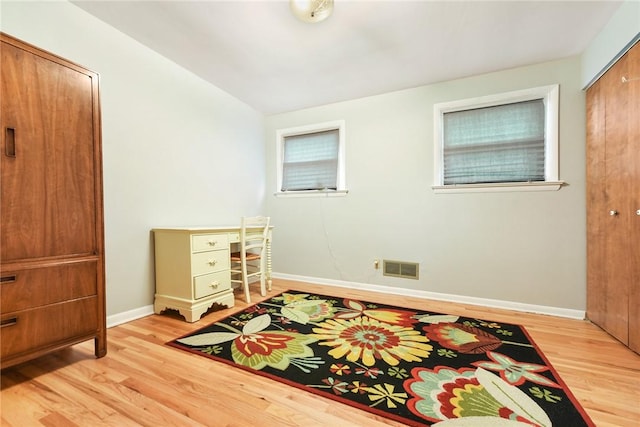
250	261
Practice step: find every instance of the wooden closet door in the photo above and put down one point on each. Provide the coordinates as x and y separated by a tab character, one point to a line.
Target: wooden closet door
597	284
48	193
613	197
618	246
607	246
633	83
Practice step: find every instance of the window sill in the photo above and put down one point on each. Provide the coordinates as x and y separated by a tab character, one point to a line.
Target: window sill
312	193
499	187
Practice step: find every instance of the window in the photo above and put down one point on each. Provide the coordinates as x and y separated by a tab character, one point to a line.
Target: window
496	143
311	159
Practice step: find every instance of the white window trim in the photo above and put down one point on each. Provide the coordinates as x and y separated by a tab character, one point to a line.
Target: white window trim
281	134
550	97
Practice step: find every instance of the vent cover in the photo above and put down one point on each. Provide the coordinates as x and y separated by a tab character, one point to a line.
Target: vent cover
406	270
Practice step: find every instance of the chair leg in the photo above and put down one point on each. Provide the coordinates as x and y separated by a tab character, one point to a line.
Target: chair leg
263	290
245	285
263	277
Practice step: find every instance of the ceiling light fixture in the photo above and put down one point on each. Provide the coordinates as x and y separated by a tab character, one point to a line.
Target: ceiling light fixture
311	10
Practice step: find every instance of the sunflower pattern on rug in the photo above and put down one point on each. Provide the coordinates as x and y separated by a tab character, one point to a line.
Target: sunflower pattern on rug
416	367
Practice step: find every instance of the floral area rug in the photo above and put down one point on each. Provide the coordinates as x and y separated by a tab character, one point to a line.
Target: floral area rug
416	367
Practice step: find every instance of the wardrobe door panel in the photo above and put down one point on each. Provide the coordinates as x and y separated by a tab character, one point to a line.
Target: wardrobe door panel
48	185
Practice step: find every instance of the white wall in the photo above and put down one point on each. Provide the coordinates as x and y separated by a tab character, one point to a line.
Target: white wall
520	247
172	143
622	29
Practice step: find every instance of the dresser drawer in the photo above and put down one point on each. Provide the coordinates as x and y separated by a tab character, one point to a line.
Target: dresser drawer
47	326
208	242
209	262
210	284
35	287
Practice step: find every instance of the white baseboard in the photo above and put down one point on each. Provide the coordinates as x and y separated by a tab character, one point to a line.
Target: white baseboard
485	302
128	316
137	313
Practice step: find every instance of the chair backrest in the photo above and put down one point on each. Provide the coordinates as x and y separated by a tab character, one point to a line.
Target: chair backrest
253	233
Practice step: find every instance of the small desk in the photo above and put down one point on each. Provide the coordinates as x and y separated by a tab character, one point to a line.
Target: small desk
192	268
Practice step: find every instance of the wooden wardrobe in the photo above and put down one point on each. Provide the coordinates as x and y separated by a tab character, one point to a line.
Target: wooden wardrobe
51	236
613	200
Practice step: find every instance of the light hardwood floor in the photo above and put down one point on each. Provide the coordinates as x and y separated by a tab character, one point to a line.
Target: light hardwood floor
141	381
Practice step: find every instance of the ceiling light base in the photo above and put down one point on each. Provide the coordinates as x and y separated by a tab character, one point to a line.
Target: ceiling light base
311	11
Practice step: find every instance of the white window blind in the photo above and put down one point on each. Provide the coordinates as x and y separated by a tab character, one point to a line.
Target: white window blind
502	143
310	161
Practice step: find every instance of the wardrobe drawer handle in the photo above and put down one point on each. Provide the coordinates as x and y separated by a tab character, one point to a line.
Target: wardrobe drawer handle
8	279
10	142
8	322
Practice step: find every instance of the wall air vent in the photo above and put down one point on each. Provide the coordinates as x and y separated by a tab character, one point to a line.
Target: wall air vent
406	270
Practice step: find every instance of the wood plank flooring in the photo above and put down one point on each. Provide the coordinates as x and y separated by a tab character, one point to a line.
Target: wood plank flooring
142	382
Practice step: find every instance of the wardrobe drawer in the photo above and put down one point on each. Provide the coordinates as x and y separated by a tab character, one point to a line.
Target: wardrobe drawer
210	284
47	326
208	242
209	262
35	287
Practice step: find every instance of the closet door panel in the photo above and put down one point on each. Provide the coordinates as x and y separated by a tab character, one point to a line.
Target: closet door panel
597	212
617	247
633	83
48	185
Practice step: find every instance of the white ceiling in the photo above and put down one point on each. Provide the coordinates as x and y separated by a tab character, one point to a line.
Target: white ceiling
260	53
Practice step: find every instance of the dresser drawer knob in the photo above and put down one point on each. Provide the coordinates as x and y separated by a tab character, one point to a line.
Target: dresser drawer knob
212	242
214	285
212	262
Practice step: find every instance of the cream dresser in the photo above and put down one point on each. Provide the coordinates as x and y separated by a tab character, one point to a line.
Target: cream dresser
192	268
